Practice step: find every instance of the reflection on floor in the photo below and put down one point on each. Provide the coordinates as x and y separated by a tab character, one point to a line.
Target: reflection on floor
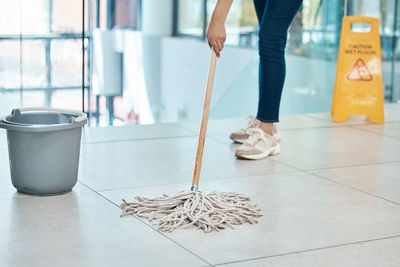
331	198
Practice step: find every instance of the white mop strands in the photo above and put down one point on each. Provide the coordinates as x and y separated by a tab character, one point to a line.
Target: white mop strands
214	211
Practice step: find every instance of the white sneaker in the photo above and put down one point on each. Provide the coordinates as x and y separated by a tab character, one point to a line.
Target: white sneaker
259	145
241	136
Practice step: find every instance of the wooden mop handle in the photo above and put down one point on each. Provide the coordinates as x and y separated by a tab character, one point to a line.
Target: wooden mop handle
204	120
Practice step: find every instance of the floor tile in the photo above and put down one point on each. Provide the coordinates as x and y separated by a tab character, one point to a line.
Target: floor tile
81	230
301	212
335	147
388	129
7	190
379	179
382	253
132	132
392	113
301	122
163	161
218	128
392	105
351	120
222	128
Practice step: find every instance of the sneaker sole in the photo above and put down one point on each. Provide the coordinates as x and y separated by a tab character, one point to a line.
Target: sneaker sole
240	141
270	152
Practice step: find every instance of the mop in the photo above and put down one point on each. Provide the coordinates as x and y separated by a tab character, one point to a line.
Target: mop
192	208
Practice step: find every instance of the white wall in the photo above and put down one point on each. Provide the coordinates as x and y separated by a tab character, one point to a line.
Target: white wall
184	67
308	86
157	17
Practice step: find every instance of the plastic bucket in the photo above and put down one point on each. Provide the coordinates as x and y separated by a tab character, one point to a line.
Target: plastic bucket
43	148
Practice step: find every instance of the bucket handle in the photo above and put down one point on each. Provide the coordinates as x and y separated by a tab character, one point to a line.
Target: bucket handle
80	116
374	22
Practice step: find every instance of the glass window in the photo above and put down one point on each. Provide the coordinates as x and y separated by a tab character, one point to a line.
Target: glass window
9	11
10	64
241	23
34	69
9	100
15	18
66	62
190	18
127	13
315	30
67	98
33	50
67	16
34	17
32	98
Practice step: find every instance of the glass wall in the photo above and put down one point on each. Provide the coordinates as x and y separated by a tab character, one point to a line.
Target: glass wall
41	53
44	55
104	97
191	18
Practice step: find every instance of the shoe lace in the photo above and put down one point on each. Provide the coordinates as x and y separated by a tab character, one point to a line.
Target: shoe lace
255	134
252	122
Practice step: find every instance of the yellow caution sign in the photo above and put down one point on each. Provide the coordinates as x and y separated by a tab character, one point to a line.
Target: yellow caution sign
358	85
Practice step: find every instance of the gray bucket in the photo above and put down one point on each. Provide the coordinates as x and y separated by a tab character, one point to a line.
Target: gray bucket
43	148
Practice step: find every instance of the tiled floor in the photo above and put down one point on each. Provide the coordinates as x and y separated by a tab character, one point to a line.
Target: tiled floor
331	198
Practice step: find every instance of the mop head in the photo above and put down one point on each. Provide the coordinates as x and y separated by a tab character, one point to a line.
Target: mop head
210	212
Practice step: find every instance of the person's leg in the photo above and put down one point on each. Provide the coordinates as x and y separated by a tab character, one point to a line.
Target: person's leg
259	6
274	25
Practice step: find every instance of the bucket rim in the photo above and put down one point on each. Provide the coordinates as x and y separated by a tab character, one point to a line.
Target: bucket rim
79	119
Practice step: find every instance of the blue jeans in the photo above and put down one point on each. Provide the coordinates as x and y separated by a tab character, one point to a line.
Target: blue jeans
274	17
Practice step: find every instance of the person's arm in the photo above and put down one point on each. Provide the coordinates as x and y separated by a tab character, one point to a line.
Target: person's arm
216	33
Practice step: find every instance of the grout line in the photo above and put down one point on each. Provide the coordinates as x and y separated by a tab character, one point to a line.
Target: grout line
345	123
148	225
336	123
194	133
309	115
310	250
352	126
333	181
348	186
316	118
387	122
350	166
208	180
216	139
354	188
364	130
136	139
281	130
188	129
207	135
308	128
287	165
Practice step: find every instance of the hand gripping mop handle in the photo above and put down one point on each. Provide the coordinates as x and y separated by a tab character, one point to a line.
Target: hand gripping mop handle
204	120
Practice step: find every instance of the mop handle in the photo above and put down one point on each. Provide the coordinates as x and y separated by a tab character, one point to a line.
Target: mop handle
204	120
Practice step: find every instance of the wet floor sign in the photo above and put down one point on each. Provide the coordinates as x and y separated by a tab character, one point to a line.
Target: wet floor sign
358	85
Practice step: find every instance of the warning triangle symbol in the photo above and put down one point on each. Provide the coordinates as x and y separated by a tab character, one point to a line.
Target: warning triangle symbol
359	72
